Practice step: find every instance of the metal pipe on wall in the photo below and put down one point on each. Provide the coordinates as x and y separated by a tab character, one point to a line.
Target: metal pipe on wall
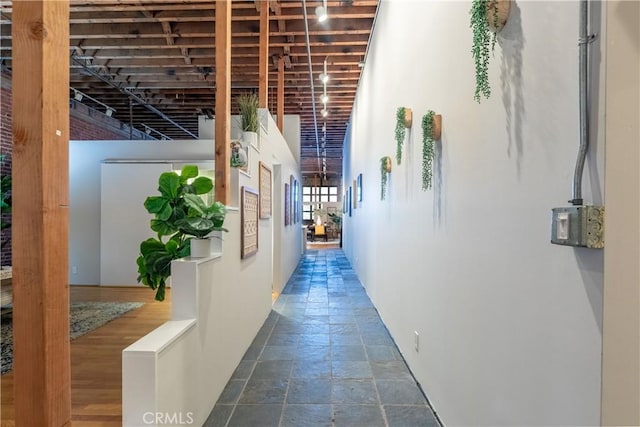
583	64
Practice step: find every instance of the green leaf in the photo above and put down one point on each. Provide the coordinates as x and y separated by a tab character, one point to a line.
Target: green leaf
162	227
155	204
151	245
202	185
188	171
195	202
169	182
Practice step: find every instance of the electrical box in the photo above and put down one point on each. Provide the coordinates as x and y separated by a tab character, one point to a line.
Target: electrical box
578	226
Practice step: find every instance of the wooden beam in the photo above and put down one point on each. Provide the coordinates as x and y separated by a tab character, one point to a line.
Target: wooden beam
40	112
280	102
223	102
263	56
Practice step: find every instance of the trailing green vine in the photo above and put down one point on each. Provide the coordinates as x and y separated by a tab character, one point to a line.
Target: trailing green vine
385	168
427	149
483	36
400	132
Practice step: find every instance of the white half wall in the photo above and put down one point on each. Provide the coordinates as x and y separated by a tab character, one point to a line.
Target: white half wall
510	325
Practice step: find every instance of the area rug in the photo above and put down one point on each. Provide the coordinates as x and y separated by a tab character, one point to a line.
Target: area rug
85	317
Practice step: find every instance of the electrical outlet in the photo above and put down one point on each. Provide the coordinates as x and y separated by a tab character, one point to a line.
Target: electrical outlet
74	270
416	340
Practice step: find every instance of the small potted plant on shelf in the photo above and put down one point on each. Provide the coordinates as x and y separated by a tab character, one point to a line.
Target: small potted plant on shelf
385	169
178	218
248	105
488	17
404	118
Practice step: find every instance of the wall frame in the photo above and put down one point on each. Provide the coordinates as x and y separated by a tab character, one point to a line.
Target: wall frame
287	204
360	187
292	184
249	220
264	175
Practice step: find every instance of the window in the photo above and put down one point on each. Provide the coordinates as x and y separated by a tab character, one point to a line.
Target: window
319	194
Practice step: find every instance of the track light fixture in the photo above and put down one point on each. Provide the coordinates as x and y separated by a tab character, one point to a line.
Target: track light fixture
324	76
324	98
321	12
324	112
79	96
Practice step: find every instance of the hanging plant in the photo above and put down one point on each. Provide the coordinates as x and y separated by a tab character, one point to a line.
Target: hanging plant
487	19
427	149
403	121
385	168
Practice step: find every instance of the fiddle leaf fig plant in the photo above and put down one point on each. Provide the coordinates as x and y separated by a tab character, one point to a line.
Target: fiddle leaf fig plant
179	214
202	219
401	131
483	37
427	149
385	168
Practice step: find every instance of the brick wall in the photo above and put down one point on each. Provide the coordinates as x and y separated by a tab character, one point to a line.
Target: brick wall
84	124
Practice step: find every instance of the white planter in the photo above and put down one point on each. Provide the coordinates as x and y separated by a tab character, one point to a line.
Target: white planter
249	138
216	241
200	248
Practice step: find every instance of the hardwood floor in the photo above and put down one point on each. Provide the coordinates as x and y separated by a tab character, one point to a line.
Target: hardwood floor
96	358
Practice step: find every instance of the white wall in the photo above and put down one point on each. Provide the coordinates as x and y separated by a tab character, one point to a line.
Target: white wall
510	325
85	158
85	204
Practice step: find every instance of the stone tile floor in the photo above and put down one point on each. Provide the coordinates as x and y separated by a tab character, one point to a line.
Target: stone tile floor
322	358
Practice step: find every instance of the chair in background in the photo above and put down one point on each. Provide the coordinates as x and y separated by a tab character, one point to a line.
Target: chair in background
320	231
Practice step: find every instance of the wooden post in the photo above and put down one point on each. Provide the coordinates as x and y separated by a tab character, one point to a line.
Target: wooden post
263	55
223	101
280	103
41	368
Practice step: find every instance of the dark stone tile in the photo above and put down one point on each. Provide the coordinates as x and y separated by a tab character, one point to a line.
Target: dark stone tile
272	369
309	391
256	415
341	319
244	369
348	369
348	352
354	391
316	320
344	329
410	416
314	329
377	339
283	339
219	416
264	391
252	353
346	339
231	392
379	353
277	352
358	416
400	392
317	311
307	416
312	352
391	370
311	369
314	339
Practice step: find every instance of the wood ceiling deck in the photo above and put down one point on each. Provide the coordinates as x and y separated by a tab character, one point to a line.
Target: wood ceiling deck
163	51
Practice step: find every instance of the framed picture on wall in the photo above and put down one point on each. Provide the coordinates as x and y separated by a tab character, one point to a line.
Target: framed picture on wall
360	187
355	194
287	204
349	200
249	220
265	190
292	183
